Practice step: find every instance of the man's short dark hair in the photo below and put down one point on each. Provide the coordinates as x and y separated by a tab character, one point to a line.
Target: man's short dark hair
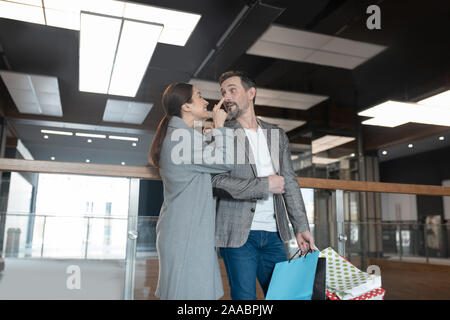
246	81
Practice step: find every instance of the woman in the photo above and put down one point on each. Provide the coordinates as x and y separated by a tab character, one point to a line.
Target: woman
188	265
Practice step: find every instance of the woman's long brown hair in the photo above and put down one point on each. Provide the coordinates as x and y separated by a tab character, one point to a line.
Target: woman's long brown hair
175	95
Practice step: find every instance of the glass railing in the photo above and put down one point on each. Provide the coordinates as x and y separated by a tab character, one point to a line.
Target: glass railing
64	237
67	236
407	241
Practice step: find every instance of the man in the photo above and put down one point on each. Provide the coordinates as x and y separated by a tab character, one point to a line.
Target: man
256	199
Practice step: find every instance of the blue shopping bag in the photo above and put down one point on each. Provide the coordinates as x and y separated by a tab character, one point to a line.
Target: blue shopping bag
293	279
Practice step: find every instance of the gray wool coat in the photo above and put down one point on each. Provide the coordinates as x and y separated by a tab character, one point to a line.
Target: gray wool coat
188	264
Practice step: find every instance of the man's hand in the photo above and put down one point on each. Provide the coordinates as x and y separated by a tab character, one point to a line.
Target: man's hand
276	184
305	241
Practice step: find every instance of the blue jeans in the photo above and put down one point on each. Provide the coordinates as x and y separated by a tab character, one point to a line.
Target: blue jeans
254	260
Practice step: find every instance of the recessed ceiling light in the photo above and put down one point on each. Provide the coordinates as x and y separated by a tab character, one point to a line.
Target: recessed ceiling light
134	144
410	145
90	135
89	140
122	163
123	138
352	155
384	152
46	137
87	160
52	158
442	138
63	133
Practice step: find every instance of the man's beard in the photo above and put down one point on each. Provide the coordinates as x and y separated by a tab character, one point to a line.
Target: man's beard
236	112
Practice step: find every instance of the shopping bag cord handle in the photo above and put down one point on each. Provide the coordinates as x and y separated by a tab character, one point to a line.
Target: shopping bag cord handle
301	253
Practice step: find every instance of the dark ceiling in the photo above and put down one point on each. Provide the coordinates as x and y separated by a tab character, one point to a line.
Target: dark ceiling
414	65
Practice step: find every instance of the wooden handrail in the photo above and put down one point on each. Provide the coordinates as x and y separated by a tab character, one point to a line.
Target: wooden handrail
147	172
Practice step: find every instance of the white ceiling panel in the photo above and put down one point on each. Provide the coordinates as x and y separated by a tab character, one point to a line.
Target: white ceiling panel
48	98
335	60
31	108
352	48
277	50
285	124
31	92
23	96
132	118
329	142
16	80
21	12
51	110
303	46
126	111
295	37
45	84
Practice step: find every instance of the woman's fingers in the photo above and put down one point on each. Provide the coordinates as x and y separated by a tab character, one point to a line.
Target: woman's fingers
219	104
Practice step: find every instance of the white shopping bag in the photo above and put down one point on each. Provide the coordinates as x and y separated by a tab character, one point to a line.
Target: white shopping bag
344	279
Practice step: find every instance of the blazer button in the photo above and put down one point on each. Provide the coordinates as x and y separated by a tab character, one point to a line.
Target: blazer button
252	209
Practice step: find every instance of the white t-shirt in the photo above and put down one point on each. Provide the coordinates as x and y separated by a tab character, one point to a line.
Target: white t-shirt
264	218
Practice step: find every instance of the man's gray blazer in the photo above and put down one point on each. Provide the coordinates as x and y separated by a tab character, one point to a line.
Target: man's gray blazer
238	190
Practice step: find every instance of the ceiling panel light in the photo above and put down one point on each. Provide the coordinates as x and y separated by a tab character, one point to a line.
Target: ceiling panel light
136	45
99	36
285	124
123	138
438	100
66	13
62	133
328	142
33	94
29	13
323	160
304	46
266	97
90	135
394	113
126	111
178	25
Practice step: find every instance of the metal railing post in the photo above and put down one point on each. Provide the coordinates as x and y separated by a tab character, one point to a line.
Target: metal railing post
340	228
400	240
43	236
132	235
87	237
425	242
